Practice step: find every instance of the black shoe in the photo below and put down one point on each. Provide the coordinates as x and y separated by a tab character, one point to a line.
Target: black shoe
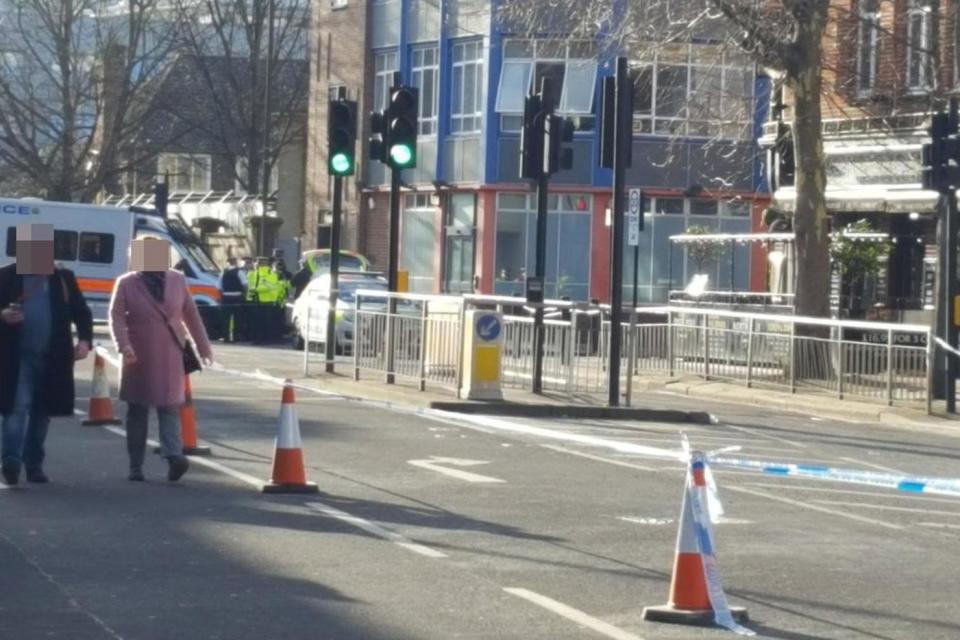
136	475
178	467
37	475
11	472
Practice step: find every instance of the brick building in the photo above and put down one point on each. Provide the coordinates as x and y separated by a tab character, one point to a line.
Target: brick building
887	65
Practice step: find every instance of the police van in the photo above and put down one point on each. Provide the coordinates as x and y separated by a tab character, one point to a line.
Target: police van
94	241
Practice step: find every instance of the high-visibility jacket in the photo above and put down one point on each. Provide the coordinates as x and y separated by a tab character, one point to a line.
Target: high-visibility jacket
264	287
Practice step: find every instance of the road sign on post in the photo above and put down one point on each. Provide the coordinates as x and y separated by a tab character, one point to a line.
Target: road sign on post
633	218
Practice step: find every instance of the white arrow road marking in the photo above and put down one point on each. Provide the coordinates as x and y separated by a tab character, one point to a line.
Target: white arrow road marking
433	464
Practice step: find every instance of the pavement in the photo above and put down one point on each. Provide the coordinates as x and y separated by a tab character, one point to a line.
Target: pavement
442	525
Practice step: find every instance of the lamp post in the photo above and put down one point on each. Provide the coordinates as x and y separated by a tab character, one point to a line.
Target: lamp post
265	155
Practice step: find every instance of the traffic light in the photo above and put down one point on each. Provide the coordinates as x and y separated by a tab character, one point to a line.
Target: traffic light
608	122
401	136
532	138
341	137
378	144
558	134
780	163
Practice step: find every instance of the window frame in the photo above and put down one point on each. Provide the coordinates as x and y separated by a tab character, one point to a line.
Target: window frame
383	77
925	72
463	123
426	123
697	63
538	52
194	160
868	17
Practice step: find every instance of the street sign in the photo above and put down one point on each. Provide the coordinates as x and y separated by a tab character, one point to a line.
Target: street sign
633	218
488	327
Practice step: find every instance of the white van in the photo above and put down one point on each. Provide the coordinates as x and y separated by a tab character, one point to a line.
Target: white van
93	242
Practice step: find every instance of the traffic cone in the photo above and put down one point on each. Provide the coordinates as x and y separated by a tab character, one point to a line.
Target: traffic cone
288	472
100	410
689	600
188	423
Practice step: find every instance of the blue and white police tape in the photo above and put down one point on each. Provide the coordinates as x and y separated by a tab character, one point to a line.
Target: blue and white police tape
702	517
909	484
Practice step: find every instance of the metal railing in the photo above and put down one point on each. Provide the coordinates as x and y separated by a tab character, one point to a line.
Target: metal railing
873	360
420	337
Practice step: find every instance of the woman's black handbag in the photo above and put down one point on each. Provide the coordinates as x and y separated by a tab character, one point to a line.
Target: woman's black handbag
191	362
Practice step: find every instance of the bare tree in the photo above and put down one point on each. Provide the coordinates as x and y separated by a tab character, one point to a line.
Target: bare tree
228	50
74	76
786	37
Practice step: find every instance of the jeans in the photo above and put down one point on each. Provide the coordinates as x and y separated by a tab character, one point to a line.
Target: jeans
170	443
25	427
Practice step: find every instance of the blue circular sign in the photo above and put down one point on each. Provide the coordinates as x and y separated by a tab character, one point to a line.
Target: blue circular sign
488	327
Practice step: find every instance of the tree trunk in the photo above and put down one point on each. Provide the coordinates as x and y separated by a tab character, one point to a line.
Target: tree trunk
811	222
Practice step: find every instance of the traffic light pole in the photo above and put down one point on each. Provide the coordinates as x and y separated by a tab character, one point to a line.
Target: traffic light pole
948	272
331	339
539	335
392	266
622	137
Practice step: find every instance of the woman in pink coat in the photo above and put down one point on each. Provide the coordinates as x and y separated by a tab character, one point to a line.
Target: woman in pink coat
150	312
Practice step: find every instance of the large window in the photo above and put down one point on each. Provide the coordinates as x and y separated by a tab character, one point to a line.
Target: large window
384	64
425	72
867	29
919	43
695	90
569	67
242	179
568	244
417	241
466	106
186	172
662	268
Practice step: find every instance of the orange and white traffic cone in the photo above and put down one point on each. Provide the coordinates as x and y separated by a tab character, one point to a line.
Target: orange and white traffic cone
100	410
188	424
289	475
689	594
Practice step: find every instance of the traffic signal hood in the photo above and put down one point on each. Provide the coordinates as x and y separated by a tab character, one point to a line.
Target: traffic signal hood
941	156
557	155
341	137
402	128
531	138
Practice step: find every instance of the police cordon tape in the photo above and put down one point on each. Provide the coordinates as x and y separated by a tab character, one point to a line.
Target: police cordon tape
904	483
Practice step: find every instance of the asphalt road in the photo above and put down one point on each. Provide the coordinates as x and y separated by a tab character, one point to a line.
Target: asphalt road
446	528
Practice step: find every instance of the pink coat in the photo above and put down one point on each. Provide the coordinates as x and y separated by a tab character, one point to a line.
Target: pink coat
156	379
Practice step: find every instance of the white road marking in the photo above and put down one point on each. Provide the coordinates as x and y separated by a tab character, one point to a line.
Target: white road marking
590	456
875	466
377	530
805	505
360	523
761	434
939	525
654	521
204	462
885	507
574	615
434	464
872	494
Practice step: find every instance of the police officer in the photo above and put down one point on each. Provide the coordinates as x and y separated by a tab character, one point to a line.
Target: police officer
231	299
264	290
301	278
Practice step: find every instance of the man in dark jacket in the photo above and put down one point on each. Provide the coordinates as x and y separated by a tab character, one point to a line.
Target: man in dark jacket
232	294
38	303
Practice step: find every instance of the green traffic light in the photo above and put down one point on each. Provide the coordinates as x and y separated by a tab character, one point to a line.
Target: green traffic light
340	163
401	154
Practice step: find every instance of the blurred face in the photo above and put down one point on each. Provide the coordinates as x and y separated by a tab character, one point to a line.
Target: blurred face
35	249
150	254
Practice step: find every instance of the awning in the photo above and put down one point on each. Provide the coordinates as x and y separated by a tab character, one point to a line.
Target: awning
867	200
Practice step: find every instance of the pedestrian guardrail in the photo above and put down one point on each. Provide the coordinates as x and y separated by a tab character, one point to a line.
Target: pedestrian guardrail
872	360
420	337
